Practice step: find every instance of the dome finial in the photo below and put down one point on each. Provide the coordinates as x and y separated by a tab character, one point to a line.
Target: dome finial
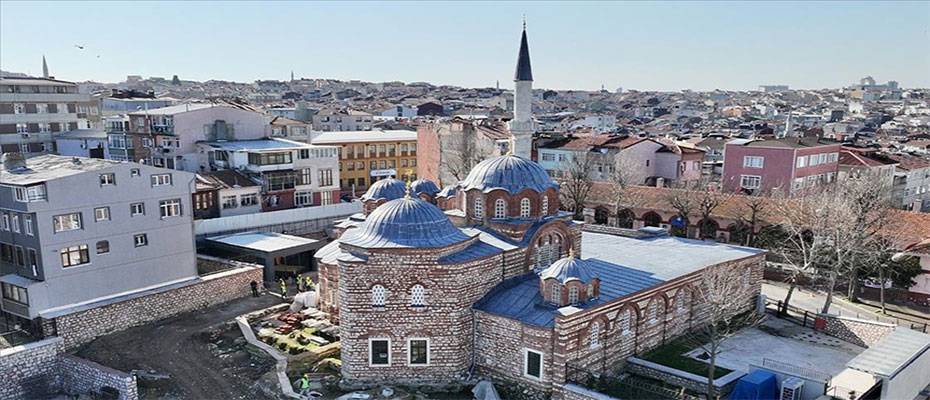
407	180
524	21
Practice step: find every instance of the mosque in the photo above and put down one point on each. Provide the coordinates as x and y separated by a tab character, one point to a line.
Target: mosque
489	279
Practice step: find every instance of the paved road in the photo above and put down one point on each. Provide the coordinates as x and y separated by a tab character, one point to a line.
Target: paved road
177	346
813	301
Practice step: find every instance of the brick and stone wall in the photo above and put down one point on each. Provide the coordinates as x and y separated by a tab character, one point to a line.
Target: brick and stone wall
856	331
81	327
696	383
41	369
499	351
80	376
30	371
575	392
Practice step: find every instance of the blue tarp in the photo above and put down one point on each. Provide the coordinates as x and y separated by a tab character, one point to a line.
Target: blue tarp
759	385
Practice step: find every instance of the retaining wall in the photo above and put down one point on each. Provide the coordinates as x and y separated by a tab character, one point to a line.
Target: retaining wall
724	384
80	376
856	331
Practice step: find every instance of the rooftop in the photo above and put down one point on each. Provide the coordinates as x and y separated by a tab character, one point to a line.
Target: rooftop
83	134
25	81
176	109
266	242
365	136
624	266
49	167
227	179
258	145
787	143
892	353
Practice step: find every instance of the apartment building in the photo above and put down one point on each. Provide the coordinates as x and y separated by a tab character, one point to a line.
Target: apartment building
167	137
291	174
911	189
368	156
869	164
330	120
78	232
792	164
33	109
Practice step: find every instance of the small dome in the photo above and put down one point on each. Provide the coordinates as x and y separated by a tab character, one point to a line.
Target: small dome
567	269
510	173
449	191
421	186
389	189
405	222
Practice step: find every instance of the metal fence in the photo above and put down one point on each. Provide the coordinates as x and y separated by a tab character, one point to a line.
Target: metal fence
806	318
625	386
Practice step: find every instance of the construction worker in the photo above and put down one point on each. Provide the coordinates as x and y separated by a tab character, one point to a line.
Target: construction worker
283	288
303	385
254	286
309	283
300	283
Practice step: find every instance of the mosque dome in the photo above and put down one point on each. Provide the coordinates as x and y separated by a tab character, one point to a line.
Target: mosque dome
568	269
405	222
388	189
421	186
510	173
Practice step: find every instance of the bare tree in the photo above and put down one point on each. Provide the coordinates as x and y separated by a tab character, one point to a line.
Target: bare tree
577	183
622	180
725	316
793	239
752	208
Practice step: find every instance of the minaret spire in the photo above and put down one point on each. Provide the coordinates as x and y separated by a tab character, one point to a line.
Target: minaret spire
44	67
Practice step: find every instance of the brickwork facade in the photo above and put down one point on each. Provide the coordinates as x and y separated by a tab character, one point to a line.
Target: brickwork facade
83	376
856	331
83	326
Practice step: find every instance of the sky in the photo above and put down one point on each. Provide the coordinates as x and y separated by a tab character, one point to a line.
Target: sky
637	45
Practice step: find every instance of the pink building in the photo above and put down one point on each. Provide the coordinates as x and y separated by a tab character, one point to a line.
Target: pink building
791	164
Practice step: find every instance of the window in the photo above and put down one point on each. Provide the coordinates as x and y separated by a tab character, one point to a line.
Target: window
135	172
594	335
750	181
500	208
525	208
555	293
161	180
103	247
30	193
27	225
15	222
548	157
101	214
5	223
532	363
625	321
682	299
303	154
326	198
653	312
802	162
380	352
248	200
74	255
67	222
137	209
378	295
753	161
170	208
418	351
20	256
15	293
107	179
303	198
545	205
140	240
230	202
306	175
418	296
326	177
479	207
269	158
573	295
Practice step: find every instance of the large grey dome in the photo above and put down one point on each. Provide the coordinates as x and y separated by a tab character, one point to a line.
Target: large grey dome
568	269
511	173
405	222
388	189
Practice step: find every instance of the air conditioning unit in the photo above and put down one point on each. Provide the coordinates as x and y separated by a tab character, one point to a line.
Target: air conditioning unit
791	388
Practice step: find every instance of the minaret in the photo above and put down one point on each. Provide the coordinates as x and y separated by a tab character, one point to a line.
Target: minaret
522	125
44	68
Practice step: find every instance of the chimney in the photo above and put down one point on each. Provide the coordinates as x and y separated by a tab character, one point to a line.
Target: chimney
14	161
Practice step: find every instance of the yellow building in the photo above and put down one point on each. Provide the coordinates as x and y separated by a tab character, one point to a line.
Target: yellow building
368	156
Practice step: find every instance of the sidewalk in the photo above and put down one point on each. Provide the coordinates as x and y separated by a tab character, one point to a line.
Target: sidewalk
813	301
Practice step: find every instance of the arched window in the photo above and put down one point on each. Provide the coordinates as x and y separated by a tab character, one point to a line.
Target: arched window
544	207
594	334
479	207
555	295
525	208
625	322
653	311
418	296
573	295
590	291
500	208
378	295
682	299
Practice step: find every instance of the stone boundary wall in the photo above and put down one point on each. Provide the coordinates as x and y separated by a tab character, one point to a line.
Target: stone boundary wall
30	371
81	327
856	331
724	384
79	376
574	392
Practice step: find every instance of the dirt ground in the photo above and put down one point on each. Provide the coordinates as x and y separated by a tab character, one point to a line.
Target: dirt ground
204	355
